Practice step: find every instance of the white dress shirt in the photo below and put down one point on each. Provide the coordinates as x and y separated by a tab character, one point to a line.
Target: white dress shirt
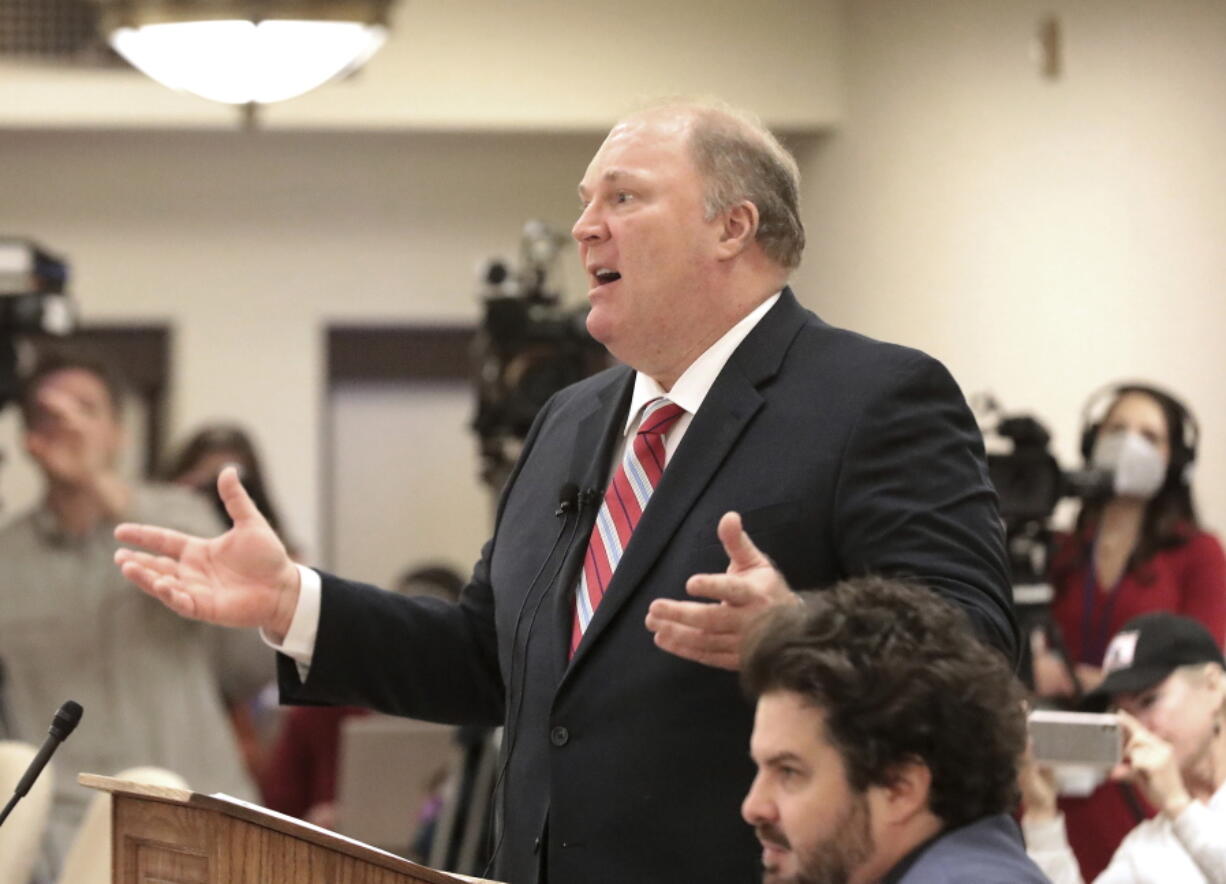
689	392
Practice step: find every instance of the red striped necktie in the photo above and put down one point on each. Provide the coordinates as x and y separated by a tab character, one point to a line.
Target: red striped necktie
624	501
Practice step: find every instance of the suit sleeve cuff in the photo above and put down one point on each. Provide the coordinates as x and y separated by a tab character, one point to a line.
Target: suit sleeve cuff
299	644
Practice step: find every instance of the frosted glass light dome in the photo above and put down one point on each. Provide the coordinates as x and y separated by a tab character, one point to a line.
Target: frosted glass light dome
238	61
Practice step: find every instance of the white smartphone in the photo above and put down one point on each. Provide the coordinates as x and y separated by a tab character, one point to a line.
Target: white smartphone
1086	739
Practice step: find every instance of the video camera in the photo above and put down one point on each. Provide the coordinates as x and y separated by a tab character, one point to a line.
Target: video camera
33	301
528	347
1030	483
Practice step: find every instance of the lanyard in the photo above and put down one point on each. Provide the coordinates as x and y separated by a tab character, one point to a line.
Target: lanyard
1094	641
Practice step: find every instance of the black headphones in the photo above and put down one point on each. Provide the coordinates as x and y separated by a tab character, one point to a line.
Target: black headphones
1183	438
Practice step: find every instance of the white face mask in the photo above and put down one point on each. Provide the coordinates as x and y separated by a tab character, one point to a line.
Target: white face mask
1137	466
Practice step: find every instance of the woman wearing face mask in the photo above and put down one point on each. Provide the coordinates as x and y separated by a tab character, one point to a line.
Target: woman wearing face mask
1139	548
1135	550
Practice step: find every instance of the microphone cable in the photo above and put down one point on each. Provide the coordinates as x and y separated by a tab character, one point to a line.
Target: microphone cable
579	500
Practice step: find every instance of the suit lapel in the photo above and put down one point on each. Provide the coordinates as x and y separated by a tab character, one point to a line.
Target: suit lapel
726	411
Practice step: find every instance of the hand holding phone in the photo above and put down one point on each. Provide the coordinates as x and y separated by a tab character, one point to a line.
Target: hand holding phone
1149	761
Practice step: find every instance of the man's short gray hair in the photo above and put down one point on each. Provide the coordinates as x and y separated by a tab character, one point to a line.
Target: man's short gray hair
741	160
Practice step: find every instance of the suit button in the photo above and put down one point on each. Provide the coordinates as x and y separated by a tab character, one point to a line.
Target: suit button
559	736
536	845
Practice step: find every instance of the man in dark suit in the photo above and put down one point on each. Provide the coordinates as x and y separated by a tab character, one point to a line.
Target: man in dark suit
887	740
625	731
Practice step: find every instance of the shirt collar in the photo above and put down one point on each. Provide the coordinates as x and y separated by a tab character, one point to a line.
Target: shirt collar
47	524
696	381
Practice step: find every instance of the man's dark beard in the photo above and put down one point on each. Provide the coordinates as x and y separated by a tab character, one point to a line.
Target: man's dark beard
833	860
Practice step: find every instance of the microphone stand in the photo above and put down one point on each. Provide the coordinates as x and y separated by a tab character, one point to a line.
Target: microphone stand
62	726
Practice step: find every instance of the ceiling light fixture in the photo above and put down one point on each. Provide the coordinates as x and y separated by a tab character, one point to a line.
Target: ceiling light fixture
249	52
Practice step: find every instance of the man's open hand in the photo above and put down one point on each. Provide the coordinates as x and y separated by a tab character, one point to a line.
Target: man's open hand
243	577
714	634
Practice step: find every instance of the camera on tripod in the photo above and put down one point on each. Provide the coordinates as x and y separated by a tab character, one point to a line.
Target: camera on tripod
33	301
528	347
1030	484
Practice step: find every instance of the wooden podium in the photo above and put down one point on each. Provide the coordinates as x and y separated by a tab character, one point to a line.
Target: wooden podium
173	836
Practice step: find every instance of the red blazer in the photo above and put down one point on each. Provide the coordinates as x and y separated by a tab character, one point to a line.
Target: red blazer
1188	579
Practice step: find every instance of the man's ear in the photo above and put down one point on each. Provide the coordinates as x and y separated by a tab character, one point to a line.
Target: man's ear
905	793
739	229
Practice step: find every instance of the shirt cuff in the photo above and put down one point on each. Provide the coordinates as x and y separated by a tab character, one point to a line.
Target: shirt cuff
1048	834
1194	819
299	644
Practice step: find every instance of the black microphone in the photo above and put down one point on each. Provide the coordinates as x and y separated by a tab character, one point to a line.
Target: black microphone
64	723
568	499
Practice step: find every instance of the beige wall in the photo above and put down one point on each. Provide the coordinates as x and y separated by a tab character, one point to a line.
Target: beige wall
1040	237
405	488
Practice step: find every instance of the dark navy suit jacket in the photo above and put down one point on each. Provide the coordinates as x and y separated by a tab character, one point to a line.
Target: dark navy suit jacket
844	455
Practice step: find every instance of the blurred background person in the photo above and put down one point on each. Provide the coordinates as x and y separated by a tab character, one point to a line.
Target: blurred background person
151	684
200	458
433	580
1138	549
1165	676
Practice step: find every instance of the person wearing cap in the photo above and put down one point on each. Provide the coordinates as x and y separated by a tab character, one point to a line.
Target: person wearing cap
1165	676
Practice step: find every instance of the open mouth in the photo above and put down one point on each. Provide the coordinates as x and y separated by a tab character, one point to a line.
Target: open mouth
604	276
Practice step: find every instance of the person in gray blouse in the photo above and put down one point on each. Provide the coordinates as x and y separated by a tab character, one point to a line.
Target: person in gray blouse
150	682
